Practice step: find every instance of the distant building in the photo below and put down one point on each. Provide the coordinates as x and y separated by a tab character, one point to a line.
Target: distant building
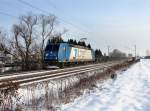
147	57
5	58
1	57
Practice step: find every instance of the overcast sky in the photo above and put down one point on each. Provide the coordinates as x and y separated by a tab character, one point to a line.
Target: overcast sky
118	23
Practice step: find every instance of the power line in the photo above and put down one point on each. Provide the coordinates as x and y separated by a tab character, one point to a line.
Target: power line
54	6
41	10
7	14
108	48
30	5
50	2
135	50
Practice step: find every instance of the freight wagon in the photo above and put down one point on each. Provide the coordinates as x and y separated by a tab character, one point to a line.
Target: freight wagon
60	54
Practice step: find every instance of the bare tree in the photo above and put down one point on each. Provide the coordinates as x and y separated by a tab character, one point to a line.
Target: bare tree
117	54
147	53
47	26
6	45
47	29
29	39
24	38
3	40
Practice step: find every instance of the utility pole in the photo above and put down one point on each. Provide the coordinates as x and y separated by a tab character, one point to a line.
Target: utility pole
135	50
108	48
83	39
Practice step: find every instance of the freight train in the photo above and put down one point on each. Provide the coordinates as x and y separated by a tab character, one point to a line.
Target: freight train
61	54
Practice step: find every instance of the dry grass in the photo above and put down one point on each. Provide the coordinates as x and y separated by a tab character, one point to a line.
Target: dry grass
65	91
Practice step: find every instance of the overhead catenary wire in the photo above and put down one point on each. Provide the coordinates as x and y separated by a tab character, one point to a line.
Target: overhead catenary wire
54	7
51	4
43	11
7	14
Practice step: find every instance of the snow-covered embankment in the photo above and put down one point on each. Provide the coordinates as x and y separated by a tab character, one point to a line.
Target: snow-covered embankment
130	91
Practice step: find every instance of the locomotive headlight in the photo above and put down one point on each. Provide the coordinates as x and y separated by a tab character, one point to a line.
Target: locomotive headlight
46	54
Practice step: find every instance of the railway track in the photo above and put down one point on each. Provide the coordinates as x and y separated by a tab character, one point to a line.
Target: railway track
27	78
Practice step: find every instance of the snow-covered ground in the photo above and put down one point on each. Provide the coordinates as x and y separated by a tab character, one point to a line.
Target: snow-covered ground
130	91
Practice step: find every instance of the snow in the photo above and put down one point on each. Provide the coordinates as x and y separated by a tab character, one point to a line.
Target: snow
130	91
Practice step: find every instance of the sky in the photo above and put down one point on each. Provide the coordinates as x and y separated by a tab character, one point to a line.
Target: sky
119	24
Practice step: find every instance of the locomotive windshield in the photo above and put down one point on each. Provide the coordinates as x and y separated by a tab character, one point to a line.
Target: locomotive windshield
52	47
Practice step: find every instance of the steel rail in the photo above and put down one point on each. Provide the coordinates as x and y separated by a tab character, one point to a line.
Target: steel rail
61	76
29	78
45	71
45	75
34	79
35	74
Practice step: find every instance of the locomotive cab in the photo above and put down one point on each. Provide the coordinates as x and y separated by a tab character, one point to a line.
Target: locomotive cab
61	54
55	54
51	53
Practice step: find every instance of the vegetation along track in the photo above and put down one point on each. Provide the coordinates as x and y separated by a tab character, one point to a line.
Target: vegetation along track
32	77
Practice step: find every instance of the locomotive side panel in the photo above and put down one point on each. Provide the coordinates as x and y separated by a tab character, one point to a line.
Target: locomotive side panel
64	52
80	54
68	53
73	54
85	54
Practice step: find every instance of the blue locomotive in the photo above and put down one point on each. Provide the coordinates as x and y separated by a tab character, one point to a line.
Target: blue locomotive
65	53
